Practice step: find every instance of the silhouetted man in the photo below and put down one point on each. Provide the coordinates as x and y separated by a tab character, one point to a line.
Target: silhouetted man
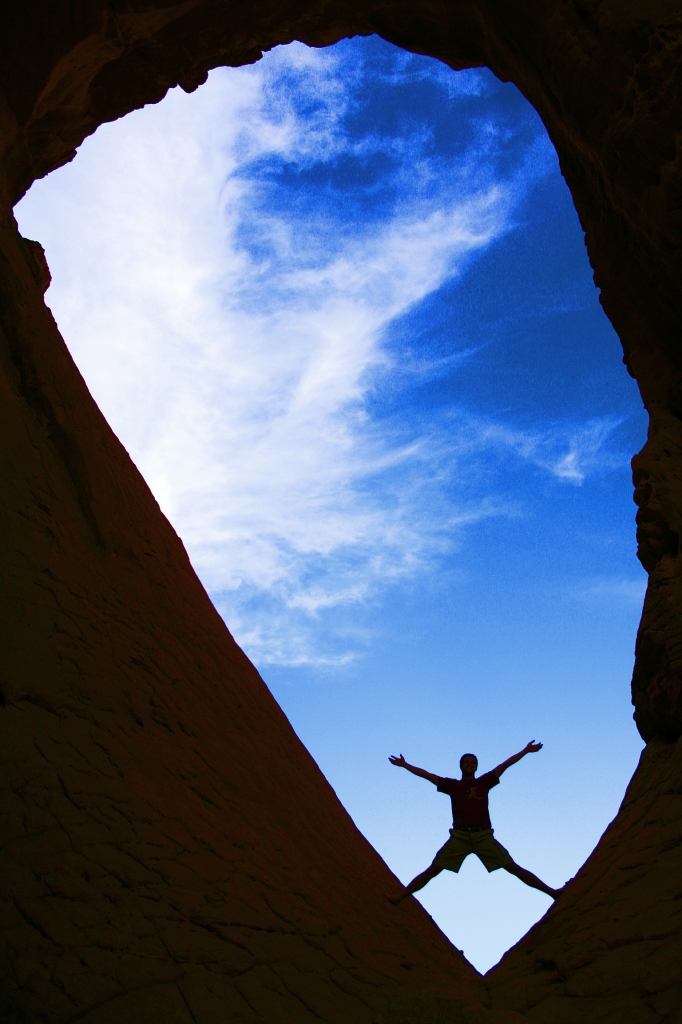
471	830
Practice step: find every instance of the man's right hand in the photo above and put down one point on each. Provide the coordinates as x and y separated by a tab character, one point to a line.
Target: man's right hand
400	762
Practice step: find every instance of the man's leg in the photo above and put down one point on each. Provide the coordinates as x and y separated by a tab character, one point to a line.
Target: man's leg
530	879
417	883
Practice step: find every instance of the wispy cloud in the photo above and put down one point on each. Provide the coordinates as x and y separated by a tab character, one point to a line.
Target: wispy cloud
569	451
232	340
616	591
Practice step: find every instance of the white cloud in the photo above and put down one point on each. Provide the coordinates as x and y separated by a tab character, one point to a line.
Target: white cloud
616	591
570	452
236	375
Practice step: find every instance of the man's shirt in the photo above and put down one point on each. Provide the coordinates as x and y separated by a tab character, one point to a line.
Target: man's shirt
469	799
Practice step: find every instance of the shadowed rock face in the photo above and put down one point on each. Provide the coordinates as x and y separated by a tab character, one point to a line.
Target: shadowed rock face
170	852
609	949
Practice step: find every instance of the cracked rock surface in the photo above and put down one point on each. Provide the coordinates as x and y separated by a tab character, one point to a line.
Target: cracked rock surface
169	852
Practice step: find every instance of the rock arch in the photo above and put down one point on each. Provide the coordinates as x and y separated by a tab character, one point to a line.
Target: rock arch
163	828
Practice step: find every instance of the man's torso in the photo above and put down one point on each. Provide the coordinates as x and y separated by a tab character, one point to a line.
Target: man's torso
469	800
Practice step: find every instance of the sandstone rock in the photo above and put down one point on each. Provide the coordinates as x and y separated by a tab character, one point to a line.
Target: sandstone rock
431	1010
37	262
608	949
169	850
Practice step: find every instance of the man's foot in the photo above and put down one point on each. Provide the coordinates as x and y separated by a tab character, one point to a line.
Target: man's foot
396	900
556	893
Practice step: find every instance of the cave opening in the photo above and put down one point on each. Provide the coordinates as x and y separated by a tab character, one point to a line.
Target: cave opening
338	308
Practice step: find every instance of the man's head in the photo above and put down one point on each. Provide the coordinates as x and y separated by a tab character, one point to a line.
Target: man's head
468	763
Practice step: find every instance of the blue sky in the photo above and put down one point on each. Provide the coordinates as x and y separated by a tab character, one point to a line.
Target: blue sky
338	308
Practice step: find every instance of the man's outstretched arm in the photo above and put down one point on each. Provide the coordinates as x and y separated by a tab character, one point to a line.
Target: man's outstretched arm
530	748
400	762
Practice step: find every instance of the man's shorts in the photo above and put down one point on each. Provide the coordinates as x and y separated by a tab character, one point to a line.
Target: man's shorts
461	844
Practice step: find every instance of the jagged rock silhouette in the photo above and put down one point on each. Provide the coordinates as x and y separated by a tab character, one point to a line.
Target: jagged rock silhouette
170	852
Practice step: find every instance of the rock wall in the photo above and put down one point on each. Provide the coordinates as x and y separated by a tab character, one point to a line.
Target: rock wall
609	949
169	850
